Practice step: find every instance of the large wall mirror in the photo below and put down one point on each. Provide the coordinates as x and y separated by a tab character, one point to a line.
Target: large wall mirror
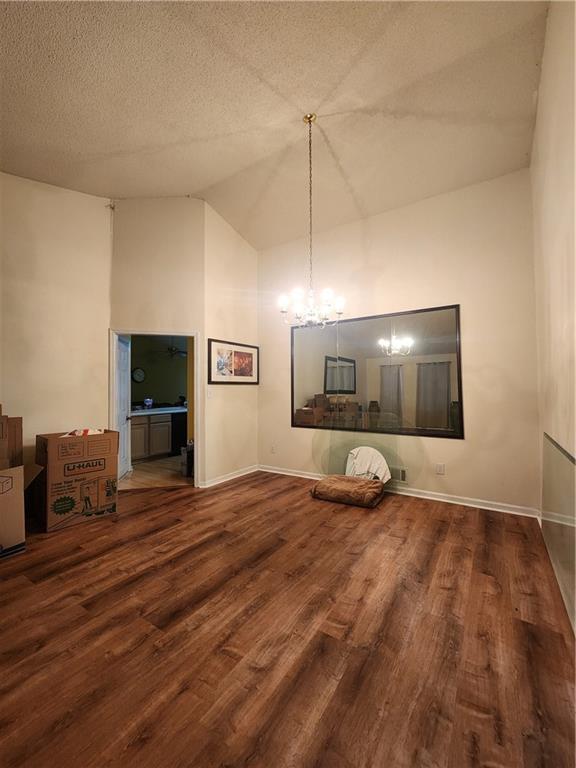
396	373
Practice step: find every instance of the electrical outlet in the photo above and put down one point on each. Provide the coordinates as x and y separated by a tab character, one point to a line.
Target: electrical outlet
272	449
440	469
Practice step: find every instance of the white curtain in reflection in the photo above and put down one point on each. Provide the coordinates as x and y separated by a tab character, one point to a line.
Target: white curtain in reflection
340	378
391	394
347	378
433	396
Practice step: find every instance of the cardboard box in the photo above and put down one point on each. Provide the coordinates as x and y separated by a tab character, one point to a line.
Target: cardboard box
81	480
6	483
4	450
12	486
10	442
15	450
12	533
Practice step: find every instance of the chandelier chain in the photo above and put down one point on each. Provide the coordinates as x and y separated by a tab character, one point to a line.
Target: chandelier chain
310	199
311	310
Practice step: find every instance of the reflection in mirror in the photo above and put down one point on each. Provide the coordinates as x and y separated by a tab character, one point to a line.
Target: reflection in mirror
339	376
391	373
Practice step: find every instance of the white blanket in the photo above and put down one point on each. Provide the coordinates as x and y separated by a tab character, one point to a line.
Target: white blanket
369	463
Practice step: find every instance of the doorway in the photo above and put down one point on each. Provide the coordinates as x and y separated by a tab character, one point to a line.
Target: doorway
153	405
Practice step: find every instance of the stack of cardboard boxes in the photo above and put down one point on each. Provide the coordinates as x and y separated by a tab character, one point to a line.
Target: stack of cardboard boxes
77	481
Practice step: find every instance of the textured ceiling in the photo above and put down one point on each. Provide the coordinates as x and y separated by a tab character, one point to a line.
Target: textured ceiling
153	99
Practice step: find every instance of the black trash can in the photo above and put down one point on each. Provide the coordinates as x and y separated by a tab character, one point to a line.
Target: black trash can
187	459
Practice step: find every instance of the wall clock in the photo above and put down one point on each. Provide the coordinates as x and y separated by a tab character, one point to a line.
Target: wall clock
138	375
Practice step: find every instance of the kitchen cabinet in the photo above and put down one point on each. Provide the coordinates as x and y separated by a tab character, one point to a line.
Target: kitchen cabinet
151	436
160	435
139	433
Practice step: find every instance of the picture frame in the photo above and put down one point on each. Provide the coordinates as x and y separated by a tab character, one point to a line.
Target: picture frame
230	362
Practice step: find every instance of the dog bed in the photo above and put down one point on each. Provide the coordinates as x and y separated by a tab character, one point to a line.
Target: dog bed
357	491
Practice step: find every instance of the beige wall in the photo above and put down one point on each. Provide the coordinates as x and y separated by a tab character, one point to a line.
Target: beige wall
552	172
158	265
230	314
178	267
472	247
55	306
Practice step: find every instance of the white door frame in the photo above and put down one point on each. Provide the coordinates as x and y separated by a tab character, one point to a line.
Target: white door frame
113	416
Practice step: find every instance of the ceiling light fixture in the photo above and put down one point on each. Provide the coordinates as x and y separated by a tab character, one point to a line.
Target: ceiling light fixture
304	307
396	346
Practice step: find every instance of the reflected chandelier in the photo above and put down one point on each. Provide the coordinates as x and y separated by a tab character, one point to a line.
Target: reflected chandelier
303	307
396	346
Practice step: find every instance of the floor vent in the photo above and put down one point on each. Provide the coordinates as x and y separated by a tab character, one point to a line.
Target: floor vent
398	473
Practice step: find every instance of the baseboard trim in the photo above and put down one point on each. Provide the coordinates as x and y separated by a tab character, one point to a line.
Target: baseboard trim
400	488
291	472
465	501
15	549
229	476
554	517
392	487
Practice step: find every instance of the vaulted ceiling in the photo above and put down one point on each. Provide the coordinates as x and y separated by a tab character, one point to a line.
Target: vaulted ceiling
206	99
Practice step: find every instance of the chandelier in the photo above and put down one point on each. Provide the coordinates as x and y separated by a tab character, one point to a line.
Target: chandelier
303	307
396	345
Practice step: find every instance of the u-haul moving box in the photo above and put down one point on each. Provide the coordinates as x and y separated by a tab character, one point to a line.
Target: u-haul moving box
81	477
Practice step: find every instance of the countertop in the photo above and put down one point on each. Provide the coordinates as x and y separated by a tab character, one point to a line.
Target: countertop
158	411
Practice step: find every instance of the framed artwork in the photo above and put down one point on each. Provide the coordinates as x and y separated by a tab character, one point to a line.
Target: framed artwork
231	363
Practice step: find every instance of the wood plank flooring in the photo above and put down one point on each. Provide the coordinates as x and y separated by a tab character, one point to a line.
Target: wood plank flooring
158	473
250	625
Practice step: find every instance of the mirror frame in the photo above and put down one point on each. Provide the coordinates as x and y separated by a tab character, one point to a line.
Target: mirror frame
411	432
